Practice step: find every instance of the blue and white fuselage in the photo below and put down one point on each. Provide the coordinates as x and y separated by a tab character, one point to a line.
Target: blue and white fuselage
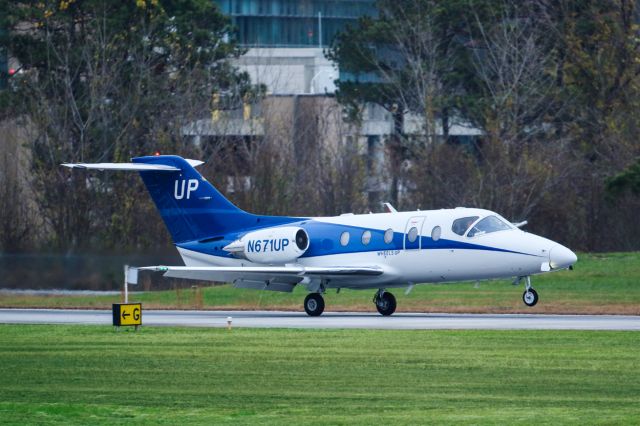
448	257
219	242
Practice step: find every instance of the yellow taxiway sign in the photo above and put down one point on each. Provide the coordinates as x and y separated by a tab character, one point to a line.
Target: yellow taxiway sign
127	314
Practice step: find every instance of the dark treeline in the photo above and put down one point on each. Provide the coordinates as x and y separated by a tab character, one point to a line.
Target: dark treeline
550	86
103	81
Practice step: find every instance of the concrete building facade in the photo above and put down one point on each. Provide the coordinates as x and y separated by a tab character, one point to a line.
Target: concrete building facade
285	41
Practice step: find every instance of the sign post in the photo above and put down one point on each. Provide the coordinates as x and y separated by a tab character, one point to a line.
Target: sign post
128	313
130	277
126	284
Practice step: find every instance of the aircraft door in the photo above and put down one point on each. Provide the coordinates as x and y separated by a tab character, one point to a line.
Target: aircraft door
412	233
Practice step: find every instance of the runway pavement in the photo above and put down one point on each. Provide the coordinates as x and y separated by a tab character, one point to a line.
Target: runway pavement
275	319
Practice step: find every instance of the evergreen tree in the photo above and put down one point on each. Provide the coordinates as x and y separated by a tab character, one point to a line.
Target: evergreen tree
105	80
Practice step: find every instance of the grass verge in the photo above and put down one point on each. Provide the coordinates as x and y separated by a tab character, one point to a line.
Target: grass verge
90	374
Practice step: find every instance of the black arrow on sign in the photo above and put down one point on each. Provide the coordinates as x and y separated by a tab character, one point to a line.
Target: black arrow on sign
125	315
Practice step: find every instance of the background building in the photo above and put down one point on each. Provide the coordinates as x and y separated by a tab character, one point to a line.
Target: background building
292	23
286	38
285	41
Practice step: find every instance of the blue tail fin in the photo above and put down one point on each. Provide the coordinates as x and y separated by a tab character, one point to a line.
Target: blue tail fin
190	206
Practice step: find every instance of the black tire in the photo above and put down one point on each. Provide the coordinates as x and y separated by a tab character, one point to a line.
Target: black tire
386	304
531	299
314	304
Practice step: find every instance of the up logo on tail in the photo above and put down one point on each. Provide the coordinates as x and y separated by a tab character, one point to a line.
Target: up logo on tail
179	189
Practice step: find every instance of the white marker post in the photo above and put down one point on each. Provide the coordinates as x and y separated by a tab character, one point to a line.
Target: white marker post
126	286
130	277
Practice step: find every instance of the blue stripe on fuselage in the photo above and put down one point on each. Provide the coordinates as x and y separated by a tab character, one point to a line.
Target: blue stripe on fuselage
325	241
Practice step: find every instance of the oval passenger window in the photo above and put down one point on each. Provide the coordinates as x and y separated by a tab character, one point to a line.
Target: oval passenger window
344	238
388	236
413	234
435	233
366	237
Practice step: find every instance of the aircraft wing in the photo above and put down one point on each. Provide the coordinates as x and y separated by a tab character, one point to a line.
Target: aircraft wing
279	278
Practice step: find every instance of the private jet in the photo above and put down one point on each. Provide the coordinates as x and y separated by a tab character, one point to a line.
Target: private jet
221	243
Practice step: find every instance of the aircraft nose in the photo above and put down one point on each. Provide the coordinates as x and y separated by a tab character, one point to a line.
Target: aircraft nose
561	257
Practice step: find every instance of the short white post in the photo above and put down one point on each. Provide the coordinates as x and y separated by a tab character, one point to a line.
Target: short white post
126	286
229	319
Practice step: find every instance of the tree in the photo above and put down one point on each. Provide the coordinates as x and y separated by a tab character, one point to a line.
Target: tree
521	158
600	57
628	180
552	88
105	80
407	60
303	161
17	218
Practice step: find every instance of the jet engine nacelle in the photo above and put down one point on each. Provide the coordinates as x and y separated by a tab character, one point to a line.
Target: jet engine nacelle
271	245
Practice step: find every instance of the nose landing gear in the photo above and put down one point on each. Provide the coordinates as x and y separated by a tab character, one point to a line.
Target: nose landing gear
385	302
530	296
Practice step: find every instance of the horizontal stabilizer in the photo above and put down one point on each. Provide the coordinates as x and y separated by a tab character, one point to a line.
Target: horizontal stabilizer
134	167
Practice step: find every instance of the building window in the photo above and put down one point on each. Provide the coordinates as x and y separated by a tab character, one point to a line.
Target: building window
273	23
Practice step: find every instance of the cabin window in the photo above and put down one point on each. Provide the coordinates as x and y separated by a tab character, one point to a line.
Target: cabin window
388	236
461	225
487	225
366	237
344	238
435	233
412	235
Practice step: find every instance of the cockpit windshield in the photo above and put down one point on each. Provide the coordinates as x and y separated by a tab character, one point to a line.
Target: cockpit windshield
487	225
461	225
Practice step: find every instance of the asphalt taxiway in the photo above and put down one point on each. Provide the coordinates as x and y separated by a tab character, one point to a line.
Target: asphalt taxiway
279	319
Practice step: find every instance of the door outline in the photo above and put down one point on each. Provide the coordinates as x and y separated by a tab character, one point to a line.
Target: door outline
418	222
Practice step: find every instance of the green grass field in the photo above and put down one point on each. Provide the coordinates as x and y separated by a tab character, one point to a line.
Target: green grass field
94	375
601	283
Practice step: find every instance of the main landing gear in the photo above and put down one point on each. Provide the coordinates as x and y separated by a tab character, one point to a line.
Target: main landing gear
385	302
530	296
314	304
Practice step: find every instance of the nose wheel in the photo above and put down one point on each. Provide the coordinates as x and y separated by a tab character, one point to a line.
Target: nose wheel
530	296
385	302
314	304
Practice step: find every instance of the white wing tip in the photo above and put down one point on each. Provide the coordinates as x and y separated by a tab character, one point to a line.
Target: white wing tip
158	268
194	163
